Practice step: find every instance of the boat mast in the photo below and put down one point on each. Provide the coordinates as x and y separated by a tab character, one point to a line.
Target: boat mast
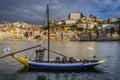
48	32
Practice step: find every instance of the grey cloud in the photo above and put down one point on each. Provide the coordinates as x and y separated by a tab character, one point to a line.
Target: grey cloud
32	11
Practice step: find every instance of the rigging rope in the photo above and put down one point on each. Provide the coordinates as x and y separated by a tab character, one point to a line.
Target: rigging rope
54	15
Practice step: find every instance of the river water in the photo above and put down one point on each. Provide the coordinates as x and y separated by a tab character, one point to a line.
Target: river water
10	69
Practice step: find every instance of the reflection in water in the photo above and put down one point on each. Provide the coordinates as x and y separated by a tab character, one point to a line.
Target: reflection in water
92	69
54	75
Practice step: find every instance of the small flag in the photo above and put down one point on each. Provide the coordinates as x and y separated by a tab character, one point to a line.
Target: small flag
7	50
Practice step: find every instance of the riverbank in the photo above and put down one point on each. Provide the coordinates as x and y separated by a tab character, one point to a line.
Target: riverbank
62	40
33	40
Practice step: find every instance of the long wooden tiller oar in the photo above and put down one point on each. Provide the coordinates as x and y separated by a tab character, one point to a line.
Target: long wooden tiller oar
32	48
20	51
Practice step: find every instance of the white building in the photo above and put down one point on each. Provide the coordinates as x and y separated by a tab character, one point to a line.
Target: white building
70	21
113	19
4	35
60	21
90	26
108	26
75	15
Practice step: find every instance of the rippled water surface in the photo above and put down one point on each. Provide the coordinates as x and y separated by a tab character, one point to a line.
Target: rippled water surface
10	69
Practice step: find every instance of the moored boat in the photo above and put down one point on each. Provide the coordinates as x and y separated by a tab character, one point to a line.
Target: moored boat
45	65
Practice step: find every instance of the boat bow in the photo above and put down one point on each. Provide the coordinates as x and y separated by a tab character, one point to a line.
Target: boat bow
104	60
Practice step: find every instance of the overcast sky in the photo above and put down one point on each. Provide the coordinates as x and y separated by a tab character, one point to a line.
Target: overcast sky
32	11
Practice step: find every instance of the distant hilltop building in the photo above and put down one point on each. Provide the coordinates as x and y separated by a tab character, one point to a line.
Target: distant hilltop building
75	15
93	18
113	20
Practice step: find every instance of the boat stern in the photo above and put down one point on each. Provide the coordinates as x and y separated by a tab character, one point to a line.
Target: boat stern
24	61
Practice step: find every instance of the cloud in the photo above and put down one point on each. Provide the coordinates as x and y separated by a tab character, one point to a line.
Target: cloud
33	11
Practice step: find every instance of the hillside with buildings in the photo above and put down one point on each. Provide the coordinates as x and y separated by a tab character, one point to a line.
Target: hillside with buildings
80	27
76	27
18	30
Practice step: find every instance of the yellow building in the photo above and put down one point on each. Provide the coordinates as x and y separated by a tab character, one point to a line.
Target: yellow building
13	32
84	20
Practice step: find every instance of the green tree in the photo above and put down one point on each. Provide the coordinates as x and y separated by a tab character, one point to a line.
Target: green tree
73	27
99	24
94	28
80	29
38	37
